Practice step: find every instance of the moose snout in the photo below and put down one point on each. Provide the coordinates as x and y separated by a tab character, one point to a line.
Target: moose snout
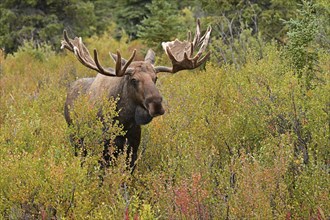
155	107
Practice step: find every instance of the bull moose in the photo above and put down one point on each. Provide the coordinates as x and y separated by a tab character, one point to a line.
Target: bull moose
134	82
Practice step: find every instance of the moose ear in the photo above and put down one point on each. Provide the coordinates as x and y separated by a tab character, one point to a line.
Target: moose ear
150	57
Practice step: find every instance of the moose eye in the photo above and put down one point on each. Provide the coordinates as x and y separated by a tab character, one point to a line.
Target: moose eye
134	81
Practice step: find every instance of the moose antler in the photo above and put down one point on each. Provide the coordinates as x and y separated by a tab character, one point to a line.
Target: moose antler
79	49
181	53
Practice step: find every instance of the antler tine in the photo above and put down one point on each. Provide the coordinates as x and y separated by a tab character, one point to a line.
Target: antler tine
203	59
191	49
80	50
84	56
204	43
129	61
120	71
118	63
181	53
198	33
100	67
66	42
114	58
189	36
87	63
209	29
170	55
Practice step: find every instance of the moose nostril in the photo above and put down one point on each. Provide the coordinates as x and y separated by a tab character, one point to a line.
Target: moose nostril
155	106
156	110
157	100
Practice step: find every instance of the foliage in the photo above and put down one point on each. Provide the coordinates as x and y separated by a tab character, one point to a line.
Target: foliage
322	8
236	49
301	44
162	23
44	21
239	26
248	135
38	161
245	140
89	131
260	16
247	143
41	53
128	14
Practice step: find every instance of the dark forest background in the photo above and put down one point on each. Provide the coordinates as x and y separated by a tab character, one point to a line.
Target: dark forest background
43	21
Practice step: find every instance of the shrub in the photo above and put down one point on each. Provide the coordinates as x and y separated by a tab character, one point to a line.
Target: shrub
235	143
301	43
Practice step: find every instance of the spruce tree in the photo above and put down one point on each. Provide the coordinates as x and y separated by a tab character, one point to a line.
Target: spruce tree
128	14
44	21
163	23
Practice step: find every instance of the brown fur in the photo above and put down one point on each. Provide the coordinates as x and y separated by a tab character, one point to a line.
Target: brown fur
133	82
139	101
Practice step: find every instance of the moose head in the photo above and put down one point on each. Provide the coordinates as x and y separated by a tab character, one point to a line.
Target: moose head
134	82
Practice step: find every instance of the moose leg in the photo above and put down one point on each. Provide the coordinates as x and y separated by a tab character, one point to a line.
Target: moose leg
78	144
133	137
119	144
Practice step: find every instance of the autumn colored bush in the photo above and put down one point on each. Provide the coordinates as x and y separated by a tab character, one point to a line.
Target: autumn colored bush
248	143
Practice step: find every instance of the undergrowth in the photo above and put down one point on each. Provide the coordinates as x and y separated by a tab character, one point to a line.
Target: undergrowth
251	143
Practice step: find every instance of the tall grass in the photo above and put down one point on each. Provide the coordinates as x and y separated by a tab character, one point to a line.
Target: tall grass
234	144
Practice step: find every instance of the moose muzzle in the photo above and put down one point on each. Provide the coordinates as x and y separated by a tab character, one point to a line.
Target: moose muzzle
154	106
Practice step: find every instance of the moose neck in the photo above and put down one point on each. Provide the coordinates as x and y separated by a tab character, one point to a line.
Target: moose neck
115	87
125	104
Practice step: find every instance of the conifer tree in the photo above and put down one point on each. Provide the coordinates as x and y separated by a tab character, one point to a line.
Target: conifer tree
162	24
44	21
128	14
